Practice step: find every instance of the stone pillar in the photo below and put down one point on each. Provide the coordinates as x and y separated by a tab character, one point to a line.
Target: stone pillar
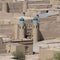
16	31
35	29
4	7
21	29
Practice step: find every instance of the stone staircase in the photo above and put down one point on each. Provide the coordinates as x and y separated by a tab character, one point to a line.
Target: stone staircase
38	4
38	1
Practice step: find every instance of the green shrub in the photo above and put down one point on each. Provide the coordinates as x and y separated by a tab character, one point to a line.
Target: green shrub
56	56
19	55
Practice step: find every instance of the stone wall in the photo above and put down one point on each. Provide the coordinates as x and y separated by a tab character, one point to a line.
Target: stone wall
19	6
6	0
16	7
46	54
0	6
38	6
14	47
11	7
39	2
49	27
2	46
7	30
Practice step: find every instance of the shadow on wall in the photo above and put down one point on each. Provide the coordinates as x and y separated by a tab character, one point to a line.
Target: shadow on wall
41	38
7	8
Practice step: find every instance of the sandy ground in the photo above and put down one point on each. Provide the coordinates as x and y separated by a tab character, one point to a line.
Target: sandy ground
32	57
6	57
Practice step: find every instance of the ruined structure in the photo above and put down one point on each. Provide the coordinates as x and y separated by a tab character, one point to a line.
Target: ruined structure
29	21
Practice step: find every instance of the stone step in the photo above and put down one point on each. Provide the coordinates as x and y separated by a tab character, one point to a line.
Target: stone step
39	6
39	2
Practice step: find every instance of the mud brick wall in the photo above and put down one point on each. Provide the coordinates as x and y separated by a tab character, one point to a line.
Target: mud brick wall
36	6
16	7
45	54
49	27
39	2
